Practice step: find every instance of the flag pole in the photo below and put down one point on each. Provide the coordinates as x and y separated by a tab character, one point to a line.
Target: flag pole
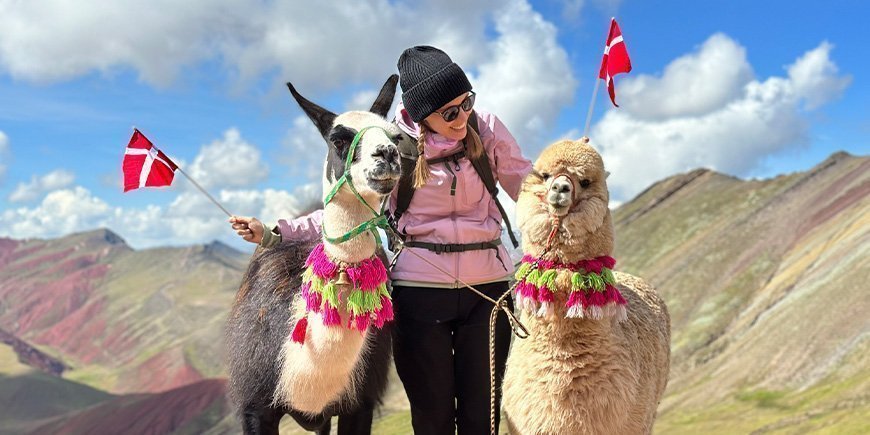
591	106
204	192
211	198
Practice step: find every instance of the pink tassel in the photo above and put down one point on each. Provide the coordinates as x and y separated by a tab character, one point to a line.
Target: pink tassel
360	323
596	299
369	275
594	266
577	298
386	311
545	295
298	335
331	316
313	302
607	261
530	291
320	263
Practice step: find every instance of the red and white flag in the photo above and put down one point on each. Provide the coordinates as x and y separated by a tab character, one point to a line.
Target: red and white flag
146	166
615	59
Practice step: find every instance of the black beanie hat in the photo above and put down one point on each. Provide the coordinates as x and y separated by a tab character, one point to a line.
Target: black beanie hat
429	80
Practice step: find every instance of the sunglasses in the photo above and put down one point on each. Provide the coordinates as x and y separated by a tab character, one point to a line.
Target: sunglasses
452	112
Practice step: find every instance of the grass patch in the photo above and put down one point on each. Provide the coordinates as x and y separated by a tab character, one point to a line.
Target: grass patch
763	398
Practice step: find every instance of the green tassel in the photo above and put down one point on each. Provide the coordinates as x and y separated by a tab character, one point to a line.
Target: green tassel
607	274
576	281
307	275
597	282
355	302
533	276
382	290
548	278
330	294
317	284
523	271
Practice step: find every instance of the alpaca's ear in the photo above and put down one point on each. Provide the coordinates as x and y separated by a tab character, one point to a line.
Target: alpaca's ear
385	98
321	117
340	138
606	174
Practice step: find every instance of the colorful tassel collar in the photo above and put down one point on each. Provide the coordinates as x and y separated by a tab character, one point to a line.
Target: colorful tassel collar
367	301
592	292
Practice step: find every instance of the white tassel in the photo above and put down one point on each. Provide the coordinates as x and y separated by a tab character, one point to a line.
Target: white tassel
575	312
546	310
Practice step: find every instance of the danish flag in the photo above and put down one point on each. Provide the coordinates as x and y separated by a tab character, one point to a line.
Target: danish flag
146	166
615	59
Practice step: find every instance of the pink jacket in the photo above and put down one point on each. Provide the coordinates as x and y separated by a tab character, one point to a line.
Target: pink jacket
437	217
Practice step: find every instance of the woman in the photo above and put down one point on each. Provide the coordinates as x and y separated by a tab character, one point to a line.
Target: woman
441	341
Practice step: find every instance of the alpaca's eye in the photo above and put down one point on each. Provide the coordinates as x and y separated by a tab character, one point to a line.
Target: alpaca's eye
585	183
545	176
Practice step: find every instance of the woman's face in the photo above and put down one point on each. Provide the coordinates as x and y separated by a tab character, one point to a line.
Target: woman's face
453	130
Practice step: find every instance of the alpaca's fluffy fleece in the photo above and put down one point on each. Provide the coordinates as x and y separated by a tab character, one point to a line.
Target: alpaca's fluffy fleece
583	376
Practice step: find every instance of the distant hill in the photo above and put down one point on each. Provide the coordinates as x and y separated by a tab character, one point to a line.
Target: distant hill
116	316
765	281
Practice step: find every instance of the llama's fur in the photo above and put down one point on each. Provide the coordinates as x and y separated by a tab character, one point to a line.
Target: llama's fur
337	370
583	376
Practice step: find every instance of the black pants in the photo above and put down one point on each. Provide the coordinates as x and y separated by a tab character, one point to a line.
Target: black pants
441	348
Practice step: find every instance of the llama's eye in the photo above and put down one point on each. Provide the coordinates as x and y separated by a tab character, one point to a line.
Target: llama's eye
585	183
545	176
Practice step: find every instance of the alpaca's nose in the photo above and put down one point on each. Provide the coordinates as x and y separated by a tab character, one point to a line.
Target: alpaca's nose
561	192
561	185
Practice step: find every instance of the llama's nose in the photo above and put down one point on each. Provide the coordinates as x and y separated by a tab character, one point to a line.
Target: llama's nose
388	153
387	157
561	192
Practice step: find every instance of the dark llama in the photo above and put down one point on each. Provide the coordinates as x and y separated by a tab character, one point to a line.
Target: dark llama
309	335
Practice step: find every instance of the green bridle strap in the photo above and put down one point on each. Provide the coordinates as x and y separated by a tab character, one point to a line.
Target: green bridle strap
378	221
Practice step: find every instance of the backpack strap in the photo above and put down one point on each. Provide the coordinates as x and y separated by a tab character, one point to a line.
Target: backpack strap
408	154
484	170
408	161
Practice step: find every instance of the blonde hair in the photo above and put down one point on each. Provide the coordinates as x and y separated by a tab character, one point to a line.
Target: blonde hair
421	171
473	150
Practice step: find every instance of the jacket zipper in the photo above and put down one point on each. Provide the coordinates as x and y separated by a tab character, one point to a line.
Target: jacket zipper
455	238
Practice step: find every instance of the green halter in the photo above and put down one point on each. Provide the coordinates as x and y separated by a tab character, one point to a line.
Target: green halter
378	221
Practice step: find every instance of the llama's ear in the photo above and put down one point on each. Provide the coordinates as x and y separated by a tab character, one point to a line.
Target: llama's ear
385	98
321	117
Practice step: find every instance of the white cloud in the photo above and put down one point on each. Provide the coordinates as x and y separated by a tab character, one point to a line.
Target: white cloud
527	80
691	85
4	153
190	219
814	77
228	162
37	186
524	74
303	149
730	127
60	212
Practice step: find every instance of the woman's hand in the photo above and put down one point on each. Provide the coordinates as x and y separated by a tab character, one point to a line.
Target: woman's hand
250	228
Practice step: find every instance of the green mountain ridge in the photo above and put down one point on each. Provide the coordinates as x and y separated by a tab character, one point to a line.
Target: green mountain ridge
763	280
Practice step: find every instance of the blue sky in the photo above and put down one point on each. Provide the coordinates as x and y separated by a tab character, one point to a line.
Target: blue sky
749	88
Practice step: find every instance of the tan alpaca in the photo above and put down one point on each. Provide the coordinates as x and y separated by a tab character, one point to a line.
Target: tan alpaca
595	371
